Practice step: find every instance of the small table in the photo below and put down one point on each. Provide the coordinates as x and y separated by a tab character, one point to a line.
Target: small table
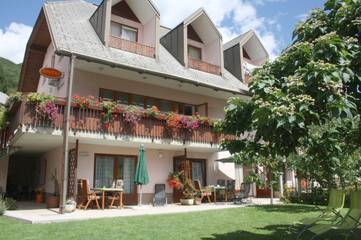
215	188
111	190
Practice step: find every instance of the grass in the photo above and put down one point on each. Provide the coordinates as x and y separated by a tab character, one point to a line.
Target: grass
263	222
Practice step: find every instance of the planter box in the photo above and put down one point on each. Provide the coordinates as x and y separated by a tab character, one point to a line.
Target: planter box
52	202
187	202
197	201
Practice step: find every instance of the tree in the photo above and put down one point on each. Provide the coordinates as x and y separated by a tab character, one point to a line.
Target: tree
307	102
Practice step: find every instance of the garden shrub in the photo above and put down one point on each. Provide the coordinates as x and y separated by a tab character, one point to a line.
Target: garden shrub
3	207
11	204
317	196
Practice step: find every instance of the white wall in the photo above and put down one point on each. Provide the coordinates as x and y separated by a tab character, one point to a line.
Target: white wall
4	163
53	161
61	63
212	53
149	32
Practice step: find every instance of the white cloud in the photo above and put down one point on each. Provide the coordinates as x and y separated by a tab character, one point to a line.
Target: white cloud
302	17
232	17
13	40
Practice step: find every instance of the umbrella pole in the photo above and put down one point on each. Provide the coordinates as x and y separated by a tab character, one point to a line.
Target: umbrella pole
140	195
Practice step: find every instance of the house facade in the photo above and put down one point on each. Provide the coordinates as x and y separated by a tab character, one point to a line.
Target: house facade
118	52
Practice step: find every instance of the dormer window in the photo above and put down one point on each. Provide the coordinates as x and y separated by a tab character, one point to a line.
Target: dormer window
244	53
128	25
124	32
196	43
194	52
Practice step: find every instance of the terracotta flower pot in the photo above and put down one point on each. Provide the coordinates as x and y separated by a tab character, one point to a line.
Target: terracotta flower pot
39	198
52	202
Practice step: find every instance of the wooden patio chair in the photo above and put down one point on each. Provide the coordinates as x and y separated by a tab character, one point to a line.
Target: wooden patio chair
117	196
204	192
86	196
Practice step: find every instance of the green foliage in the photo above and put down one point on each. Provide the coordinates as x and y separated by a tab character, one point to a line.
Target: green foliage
305	105
13	98
10	203
3	207
9	76
317	196
38	98
3	117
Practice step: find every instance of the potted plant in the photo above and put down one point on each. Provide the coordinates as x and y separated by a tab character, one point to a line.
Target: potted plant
197	198
39	195
52	201
174	180
70	206
188	193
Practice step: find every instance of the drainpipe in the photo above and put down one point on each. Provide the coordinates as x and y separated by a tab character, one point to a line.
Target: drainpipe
66	137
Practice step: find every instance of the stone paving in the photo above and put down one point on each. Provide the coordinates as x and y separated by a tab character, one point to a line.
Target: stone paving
38	214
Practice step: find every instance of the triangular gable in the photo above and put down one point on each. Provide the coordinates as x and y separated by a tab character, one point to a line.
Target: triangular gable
193	35
123	10
206	22
251	46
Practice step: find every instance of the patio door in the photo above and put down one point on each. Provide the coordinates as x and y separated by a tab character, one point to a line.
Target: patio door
194	169
107	168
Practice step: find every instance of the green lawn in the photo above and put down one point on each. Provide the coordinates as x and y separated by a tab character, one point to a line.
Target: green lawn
265	222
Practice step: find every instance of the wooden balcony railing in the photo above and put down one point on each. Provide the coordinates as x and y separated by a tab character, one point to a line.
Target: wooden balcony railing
204	66
132	47
89	120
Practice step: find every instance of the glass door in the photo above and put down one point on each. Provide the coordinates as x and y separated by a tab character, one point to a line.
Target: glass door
111	167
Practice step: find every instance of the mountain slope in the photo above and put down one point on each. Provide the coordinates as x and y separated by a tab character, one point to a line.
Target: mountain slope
9	75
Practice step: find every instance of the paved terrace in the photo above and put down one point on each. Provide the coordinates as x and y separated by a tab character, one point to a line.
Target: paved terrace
38	214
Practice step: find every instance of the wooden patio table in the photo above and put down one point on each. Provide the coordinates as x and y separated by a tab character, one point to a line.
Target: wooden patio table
215	188
110	190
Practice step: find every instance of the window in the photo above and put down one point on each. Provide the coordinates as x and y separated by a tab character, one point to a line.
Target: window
124	32
188	110
138	101
122	98
107	94
110	167
195	53
197	171
165	106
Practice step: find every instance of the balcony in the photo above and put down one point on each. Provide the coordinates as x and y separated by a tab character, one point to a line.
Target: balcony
132	47
204	66
89	120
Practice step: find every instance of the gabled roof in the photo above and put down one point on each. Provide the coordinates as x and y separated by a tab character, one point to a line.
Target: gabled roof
257	52
72	33
141	8
199	13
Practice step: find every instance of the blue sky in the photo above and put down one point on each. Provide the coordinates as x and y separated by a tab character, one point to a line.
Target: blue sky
273	20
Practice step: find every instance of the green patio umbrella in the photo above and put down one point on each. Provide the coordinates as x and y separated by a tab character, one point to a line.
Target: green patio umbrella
141	172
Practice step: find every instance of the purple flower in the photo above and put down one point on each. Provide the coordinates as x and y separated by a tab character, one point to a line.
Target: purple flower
48	109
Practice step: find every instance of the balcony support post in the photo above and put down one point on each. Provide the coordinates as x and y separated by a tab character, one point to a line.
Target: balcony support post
65	164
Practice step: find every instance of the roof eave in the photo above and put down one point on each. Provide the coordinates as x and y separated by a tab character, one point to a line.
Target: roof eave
142	70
